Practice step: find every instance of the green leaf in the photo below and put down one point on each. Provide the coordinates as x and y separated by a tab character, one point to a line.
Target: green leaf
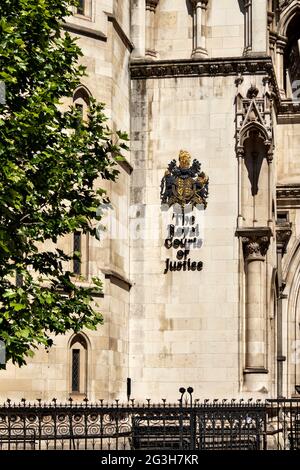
51	169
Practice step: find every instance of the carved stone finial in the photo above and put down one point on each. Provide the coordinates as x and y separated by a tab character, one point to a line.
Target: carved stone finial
240	152
239	80
202	2
252	92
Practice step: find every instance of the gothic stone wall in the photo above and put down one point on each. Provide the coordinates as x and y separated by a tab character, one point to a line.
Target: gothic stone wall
184	325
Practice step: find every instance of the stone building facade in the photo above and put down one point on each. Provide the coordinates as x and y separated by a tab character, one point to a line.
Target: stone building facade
219	79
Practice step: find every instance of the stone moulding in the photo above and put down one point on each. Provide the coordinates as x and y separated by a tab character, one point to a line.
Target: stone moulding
201	68
288	195
287	110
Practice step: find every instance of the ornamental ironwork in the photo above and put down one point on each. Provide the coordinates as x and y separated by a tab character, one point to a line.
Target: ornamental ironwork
191	425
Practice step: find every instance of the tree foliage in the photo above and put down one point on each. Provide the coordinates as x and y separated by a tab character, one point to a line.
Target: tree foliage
50	161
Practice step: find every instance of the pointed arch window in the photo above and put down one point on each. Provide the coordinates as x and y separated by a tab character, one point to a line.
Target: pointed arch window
81	101
292	57
78	365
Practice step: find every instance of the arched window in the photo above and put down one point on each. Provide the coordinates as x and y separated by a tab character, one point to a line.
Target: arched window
292	57
79	244
78	363
81	100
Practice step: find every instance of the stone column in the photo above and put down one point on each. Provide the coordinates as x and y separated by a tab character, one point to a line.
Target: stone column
280	48
199	43
256	27
248	26
150	27
240	153
259	26
255	246
283	235
138	26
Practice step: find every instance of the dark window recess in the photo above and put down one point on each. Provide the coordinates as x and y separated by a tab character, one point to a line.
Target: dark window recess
75	370
79	108
77	248
81	7
282	217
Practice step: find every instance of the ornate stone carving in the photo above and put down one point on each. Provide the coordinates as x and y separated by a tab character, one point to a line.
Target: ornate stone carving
202	67
254	114
184	184
202	2
256	241
252	92
288	110
283	4
255	247
151	4
283	235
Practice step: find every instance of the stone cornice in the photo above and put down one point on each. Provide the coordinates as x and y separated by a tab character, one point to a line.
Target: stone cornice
200	68
288	111
288	195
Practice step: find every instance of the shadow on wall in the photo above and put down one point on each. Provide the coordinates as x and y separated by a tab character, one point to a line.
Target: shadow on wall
242	6
254	157
189	7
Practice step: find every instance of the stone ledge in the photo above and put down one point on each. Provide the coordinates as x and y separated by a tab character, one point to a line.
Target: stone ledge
121	33
255	370
83	31
142	69
125	165
117	279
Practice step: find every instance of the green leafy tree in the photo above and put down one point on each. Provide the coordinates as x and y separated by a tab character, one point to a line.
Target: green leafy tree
50	161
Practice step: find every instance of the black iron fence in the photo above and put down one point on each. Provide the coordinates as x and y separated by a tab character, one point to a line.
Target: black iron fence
211	425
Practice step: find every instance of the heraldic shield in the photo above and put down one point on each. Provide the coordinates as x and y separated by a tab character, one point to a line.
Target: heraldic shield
184	184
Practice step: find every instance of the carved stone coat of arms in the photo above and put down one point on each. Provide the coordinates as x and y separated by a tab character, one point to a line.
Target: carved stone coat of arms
184	184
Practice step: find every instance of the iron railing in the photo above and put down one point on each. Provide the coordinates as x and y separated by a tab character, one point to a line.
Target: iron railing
211	425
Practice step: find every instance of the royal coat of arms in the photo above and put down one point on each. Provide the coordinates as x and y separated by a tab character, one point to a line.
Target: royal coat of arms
184	184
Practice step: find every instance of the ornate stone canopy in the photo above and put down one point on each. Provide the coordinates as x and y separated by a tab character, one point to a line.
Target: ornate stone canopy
284	3
151	4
